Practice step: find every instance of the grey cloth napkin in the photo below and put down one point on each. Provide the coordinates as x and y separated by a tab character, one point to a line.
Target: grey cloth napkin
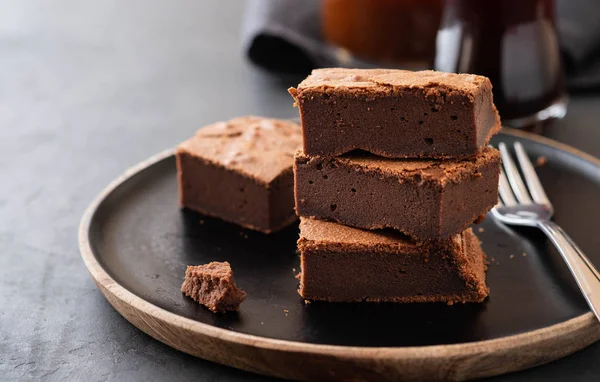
284	36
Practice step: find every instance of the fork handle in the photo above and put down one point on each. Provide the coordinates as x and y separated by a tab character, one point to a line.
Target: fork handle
581	267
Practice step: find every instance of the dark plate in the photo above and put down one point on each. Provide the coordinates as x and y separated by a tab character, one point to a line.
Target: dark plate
144	241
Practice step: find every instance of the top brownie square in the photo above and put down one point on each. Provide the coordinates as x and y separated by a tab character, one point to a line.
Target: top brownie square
396	113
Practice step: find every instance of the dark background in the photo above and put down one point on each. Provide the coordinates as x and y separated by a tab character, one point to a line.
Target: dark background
89	88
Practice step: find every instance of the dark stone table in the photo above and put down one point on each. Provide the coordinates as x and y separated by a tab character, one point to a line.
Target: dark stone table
87	89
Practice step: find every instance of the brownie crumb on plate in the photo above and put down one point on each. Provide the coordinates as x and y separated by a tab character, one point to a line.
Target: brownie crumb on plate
213	286
541	161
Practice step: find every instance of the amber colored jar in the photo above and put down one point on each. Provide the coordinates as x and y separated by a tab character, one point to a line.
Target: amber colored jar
398	32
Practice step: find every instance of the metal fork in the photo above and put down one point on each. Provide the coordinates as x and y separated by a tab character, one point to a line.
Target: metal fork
529	206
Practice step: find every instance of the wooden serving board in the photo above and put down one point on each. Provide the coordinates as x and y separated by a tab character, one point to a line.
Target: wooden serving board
136	242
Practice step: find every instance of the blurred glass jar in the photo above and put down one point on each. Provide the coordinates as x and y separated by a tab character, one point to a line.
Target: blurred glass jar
397	33
515	44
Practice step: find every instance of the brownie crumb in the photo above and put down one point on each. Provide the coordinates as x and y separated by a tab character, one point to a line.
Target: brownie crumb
479	219
541	161
213	286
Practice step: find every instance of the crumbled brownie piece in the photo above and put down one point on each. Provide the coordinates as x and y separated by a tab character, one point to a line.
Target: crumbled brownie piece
241	171
425	199
212	285
345	264
541	161
396	113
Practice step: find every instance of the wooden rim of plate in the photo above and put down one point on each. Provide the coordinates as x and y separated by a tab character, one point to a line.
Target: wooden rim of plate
306	361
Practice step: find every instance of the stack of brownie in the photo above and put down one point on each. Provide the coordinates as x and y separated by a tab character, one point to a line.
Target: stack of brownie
394	169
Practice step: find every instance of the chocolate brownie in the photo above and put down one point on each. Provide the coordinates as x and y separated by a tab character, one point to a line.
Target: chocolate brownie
241	171
212	285
426	199
345	264
395	113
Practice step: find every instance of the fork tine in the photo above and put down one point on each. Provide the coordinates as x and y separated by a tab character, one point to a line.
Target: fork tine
514	178
505	192
533	182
